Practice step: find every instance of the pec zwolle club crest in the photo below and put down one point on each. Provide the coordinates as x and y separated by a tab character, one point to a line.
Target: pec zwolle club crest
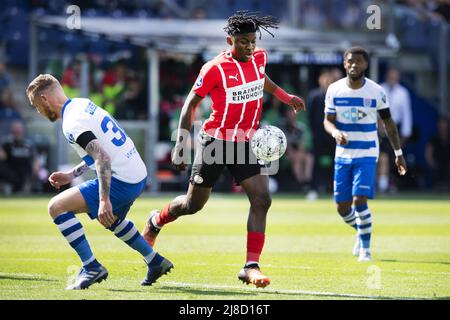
70	138
354	114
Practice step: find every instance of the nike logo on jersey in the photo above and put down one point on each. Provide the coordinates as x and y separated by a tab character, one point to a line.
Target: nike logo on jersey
354	114
234	77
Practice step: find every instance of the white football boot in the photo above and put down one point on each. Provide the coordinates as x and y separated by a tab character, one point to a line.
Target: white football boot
364	255
357	246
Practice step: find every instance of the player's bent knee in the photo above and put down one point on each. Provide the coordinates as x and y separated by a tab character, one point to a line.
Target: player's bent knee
343	208
360	201
262	202
54	208
193	207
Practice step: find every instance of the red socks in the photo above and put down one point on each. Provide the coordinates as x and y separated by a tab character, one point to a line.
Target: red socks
164	216
255	244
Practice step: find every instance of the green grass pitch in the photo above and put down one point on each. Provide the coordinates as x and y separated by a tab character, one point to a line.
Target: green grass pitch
307	253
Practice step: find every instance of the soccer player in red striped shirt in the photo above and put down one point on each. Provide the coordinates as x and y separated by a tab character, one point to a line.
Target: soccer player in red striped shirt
235	81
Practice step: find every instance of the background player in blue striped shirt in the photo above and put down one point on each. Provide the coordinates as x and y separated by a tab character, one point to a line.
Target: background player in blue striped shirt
352	106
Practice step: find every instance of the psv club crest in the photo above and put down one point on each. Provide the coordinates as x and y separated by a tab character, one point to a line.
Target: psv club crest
199	81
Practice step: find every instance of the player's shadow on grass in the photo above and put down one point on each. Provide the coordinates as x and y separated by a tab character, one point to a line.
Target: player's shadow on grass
224	292
21	278
412	261
124	290
204	292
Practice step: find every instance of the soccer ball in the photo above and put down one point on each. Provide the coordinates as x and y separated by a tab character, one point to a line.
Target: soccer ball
268	143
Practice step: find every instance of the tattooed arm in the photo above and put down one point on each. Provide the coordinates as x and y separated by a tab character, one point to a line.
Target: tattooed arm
80	169
103	168
58	179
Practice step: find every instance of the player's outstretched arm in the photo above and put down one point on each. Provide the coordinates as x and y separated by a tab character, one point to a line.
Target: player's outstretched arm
394	138
291	100
59	178
330	127
184	127
103	168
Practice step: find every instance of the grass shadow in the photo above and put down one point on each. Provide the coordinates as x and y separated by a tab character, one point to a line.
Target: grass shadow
211	291
411	261
21	278
204	292
125	290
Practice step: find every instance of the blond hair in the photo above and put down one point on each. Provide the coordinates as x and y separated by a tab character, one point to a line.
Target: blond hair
41	83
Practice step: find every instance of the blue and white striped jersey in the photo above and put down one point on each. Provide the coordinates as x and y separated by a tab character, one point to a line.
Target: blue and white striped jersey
80	115
356	115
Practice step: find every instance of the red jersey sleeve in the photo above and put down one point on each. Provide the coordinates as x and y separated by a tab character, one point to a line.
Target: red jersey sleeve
208	78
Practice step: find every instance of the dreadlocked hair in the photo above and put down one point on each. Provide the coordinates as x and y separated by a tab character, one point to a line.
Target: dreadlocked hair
244	20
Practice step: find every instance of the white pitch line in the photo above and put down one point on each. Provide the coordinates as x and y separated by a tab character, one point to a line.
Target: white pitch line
240	265
287	292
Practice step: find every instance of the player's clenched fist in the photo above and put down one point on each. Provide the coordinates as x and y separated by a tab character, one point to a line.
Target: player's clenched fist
401	165
297	103
105	214
59	179
340	137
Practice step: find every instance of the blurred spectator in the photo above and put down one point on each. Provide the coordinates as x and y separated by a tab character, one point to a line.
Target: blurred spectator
351	16
113	86
441	9
5	78
300	159
18	162
437	154
323	143
9	111
419	9
133	105
198	14
336	74
272	113
71	76
400	103
400	106
119	74
311	16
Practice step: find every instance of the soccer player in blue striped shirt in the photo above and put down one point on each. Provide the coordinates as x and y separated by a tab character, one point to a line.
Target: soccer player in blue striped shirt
352	105
121	177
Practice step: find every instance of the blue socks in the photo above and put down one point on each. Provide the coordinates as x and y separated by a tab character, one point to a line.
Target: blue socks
364	223
350	218
128	233
72	230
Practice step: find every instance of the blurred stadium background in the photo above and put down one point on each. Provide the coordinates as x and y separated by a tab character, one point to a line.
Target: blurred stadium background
139	59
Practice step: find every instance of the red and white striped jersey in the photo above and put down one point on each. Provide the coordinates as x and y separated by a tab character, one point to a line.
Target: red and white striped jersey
236	89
